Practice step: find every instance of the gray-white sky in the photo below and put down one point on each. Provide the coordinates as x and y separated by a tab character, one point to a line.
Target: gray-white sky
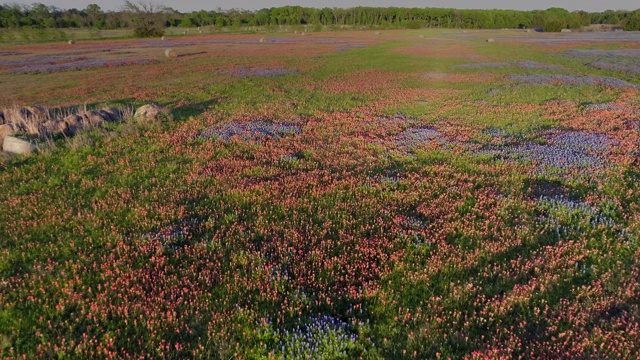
191	5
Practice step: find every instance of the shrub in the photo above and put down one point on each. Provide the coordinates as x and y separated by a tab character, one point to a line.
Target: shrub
632	23
554	25
413	24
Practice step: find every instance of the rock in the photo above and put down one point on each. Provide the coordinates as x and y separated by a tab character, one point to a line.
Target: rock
13	145
111	114
38	112
74	123
170	53
52	127
17	115
490	40
150	112
6	130
92	118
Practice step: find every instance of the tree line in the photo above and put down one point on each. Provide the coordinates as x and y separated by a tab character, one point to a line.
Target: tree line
149	19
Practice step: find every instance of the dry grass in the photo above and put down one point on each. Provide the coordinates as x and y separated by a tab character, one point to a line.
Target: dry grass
45	124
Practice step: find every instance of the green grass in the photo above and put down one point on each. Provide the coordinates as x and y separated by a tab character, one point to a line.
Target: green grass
144	234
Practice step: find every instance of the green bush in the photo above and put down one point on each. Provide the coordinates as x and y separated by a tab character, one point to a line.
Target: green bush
413	24
554	25
632	23
144	32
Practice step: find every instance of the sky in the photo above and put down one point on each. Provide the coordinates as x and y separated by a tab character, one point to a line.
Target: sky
191	5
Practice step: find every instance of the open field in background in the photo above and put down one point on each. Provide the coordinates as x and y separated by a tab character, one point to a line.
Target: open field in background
394	194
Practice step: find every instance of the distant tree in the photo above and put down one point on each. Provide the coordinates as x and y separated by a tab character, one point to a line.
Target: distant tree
554	24
148	18
95	16
632	23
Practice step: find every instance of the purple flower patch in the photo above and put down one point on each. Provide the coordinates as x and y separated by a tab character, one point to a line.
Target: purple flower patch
539	79
563	152
244	72
254	130
78	65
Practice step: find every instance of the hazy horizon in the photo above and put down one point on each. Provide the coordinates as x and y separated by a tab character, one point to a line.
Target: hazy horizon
194	5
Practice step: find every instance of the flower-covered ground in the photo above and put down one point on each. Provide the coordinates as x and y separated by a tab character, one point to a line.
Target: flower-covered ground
335	195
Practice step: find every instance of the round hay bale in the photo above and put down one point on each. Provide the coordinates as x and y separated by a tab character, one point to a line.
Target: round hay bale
170	53
71	42
150	112
490	40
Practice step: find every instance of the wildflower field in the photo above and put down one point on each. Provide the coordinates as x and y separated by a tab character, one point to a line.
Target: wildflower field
406	194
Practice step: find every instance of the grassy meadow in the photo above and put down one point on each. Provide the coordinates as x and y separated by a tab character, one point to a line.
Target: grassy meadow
401	194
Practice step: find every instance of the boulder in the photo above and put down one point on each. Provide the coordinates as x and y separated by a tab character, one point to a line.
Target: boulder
150	112
111	114
13	145
74	123
53	127
25	114
92	118
38	112
6	130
